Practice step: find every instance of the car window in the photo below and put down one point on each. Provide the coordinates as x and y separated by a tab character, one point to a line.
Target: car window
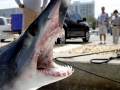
71	15
1	22
77	16
8	20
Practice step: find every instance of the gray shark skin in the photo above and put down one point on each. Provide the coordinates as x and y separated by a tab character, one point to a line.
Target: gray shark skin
26	63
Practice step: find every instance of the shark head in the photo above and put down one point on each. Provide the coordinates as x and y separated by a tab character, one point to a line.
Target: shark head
26	63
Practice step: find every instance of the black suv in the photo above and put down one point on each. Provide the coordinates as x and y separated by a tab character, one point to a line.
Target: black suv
74	26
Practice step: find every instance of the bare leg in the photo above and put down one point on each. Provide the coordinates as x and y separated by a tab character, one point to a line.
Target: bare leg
104	37
100	38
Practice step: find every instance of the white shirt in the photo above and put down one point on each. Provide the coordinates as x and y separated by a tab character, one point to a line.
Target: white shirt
34	5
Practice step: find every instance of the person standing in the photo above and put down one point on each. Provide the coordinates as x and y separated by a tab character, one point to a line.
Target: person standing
31	10
115	24
102	24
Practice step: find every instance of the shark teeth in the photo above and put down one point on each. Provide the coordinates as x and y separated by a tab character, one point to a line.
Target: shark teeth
65	71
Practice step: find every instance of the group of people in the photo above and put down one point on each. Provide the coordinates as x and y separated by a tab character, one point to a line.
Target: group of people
103	22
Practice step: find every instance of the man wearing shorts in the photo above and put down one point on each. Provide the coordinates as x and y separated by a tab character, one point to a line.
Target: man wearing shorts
102	24
31	9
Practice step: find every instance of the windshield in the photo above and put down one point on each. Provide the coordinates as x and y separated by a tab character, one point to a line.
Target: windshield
78	17
8	20
1	21
71	15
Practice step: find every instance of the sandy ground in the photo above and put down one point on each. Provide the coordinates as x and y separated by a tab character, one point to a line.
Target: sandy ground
94	49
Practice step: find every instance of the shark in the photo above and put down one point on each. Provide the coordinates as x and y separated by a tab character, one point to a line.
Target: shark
27	62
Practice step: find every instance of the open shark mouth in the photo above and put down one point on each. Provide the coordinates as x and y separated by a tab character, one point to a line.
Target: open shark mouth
46	41
45	63
52	69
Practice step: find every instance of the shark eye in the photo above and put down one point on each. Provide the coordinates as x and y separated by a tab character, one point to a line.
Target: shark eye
33	29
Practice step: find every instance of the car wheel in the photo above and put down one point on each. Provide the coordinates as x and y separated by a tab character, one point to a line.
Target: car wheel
87	36
61	40
2	40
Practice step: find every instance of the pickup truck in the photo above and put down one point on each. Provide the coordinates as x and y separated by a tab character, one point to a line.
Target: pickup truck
74	27
4	26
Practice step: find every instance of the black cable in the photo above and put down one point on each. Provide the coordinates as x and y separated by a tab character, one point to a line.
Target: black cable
88	72
101	61
93	60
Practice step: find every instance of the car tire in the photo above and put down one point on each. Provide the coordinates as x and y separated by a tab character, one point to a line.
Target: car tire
61	40
87	36
2	40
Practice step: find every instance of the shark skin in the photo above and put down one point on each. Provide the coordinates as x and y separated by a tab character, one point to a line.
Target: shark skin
26	63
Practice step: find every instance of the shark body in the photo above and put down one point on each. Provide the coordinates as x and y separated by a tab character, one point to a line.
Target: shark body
26	63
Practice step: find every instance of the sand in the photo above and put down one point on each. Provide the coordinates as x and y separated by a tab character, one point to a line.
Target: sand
94	49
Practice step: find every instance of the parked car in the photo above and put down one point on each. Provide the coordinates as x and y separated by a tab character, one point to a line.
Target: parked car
5	25
74	27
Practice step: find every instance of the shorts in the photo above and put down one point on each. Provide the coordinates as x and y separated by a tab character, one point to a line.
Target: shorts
102	29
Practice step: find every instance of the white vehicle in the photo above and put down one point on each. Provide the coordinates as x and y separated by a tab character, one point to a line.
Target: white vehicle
5	25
